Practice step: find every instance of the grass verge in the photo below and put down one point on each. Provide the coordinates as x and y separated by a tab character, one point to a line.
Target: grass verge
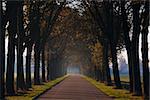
36	90
117	94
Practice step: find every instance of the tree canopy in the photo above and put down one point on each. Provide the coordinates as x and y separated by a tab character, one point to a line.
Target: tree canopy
62	33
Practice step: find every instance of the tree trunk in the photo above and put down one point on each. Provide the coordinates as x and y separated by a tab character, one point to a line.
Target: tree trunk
106	64
10	64
115	66
137	90
95	73
144	50
43	65
52	71
12	30
48	66
113	44
37	63
54	68
145	63
2	54
57	62
102	75
99	74
130	65
28	67
20	32
37	50
127	44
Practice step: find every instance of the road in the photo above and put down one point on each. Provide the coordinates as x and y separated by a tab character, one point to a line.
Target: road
74	87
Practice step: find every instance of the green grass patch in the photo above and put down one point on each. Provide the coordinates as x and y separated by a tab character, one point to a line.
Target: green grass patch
124	78
117	94
37	90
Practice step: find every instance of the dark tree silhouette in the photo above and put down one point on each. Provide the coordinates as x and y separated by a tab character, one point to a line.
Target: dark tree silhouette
43	65
28	67
29	44
20	35
127	40
145	24
54	30
137	90
105	63
12	30
36	31
106	22
2	52
112	36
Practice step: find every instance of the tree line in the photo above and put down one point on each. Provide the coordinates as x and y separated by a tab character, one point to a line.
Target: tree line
48	29
122	22
28	25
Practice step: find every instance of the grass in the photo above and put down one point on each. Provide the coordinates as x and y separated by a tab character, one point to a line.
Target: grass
117	94
36	90
124	78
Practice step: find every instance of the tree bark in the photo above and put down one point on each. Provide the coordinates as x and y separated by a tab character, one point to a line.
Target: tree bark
20	32
2	54
115	66
37	49
127	43
112	36
43	65
37	63
130	65
144	50
145	64
95	73
48	66
12	30
137	90
28	67
10	61
52	68
106	64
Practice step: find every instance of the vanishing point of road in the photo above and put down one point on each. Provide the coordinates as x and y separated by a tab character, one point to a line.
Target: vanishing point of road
74	87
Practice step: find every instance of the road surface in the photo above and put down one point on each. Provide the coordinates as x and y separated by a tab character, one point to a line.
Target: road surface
74	87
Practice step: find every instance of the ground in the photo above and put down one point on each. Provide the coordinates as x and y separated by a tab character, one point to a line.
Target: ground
74	87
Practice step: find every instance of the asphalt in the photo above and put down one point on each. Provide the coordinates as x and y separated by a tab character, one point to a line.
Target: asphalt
74	87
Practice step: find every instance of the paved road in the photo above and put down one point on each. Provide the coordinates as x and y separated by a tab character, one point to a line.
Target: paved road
74	88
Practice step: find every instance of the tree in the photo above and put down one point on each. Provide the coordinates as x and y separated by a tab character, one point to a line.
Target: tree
105	62
97	60
112	36
20	37
28	67
2	52
11	7
29	41
106	19
144	32
126	30
137	90
50	20
43	65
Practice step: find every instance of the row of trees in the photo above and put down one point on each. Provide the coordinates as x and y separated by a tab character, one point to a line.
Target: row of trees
121	23
99	28
28	25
